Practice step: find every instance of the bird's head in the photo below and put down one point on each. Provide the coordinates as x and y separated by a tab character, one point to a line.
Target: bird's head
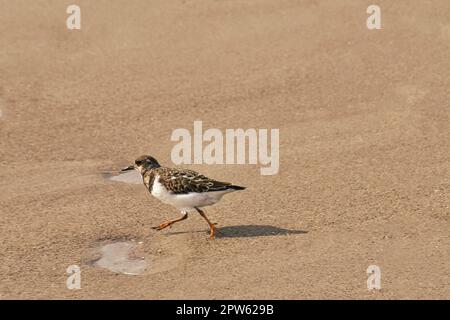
143	163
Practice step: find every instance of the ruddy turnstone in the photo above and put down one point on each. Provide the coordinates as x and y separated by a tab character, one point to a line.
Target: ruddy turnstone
186	190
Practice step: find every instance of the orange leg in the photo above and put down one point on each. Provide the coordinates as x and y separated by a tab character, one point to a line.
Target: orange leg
212	227
171	222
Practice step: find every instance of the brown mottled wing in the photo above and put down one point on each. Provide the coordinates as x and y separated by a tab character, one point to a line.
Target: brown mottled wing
185	181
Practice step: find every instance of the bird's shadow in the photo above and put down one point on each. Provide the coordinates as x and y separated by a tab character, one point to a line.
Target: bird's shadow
245	231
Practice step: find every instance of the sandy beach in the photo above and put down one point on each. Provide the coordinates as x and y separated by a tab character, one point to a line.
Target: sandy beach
364	153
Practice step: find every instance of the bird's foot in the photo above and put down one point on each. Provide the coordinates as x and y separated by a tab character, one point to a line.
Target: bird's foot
162	226
214	231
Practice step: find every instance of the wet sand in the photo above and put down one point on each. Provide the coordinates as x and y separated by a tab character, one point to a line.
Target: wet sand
364	147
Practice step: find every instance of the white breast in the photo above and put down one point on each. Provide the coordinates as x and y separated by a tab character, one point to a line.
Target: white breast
159	191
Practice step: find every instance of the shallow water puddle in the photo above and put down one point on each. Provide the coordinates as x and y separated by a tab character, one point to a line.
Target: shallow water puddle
115	257
132	177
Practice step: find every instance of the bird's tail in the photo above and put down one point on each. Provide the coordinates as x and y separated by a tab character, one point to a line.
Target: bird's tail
233	187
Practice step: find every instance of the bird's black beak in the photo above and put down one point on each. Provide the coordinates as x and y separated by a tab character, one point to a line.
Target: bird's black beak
128	168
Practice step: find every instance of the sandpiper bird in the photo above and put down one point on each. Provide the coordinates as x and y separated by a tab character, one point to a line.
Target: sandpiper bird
187	190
